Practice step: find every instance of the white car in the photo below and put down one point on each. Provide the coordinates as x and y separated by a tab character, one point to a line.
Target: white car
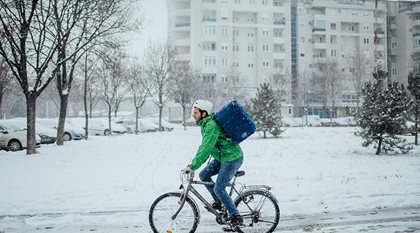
70	132
13	138
100	126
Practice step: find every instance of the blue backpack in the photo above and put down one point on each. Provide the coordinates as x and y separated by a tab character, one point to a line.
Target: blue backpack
235	121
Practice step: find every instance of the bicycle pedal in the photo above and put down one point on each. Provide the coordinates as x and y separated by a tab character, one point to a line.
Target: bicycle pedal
228	229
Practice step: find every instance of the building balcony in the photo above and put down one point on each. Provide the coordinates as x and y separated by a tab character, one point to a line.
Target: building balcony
279	22
209	19
183	25
182	12
416	34
279	56
319	45
182	42
318	30
183	57
279	40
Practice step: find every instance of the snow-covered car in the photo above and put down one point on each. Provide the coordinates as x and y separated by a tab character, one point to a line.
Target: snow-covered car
165	124
100	126
47	135
13	138
69	131
128	123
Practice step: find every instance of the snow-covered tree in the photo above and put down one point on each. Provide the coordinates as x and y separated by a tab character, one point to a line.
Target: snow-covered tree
384	114
266	111
414	87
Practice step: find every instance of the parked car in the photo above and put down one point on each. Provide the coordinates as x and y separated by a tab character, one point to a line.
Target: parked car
13	138
165	124
128	123
99	127
47	135
69	131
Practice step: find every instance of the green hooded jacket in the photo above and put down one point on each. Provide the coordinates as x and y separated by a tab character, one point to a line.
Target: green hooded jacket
214	143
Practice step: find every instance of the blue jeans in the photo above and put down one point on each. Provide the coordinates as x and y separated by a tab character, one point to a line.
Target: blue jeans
226	172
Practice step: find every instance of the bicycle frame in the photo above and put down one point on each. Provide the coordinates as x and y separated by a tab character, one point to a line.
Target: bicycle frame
191	189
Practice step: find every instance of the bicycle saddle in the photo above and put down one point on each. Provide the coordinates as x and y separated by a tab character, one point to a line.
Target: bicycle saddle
240	173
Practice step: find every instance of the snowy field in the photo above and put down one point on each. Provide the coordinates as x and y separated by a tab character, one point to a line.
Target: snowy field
113	180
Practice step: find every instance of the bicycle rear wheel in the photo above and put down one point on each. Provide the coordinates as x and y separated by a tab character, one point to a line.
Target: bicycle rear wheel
259	210
164	207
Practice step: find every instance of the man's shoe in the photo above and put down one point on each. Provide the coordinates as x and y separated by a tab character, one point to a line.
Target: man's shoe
236	220
217	206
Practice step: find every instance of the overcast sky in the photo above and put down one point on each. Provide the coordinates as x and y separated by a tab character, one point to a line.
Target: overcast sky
156	23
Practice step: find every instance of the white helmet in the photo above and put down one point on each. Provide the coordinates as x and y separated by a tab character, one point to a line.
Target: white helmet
204	105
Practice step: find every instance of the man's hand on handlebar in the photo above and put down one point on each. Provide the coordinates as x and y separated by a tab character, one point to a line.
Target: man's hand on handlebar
187	170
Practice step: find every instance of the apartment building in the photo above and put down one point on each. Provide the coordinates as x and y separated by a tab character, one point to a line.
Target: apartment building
253	40
403	39
244	40
336	34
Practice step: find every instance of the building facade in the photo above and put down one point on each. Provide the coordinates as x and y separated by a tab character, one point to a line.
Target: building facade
339	43
252	41
404	39
244	41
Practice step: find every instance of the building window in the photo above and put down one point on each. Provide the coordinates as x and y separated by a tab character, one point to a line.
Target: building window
250	65
209	61
265	32
333	39
209	77
225	30
237	1
265	64
265	2
393	45
235	32
354	13
265	47
333	53
365	40
416	43
333	26
235	48
250	34
225	61
251	48
225	47
393	71
366	27
210	30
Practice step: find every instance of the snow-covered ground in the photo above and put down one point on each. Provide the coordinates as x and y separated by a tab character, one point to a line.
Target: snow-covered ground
113	180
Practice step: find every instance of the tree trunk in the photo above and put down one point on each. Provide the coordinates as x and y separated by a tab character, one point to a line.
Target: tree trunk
85	87
62	119
184	118
378	150
109	119
160	116
30	123
137	120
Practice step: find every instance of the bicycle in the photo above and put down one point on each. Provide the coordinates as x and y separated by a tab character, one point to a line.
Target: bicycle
175	212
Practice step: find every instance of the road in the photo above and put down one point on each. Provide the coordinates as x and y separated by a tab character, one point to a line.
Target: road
135	220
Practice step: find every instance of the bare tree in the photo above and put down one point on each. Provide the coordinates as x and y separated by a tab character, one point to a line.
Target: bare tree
184	86
29	48
159	59
88	22
280	83
360	67
327	82
112	74
5	83
139	85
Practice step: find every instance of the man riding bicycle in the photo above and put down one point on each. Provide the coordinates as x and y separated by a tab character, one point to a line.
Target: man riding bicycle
227	159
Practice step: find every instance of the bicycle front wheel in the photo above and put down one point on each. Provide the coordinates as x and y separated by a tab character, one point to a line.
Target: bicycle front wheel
165	206
259	210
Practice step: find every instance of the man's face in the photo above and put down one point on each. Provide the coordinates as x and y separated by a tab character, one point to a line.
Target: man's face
197	115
